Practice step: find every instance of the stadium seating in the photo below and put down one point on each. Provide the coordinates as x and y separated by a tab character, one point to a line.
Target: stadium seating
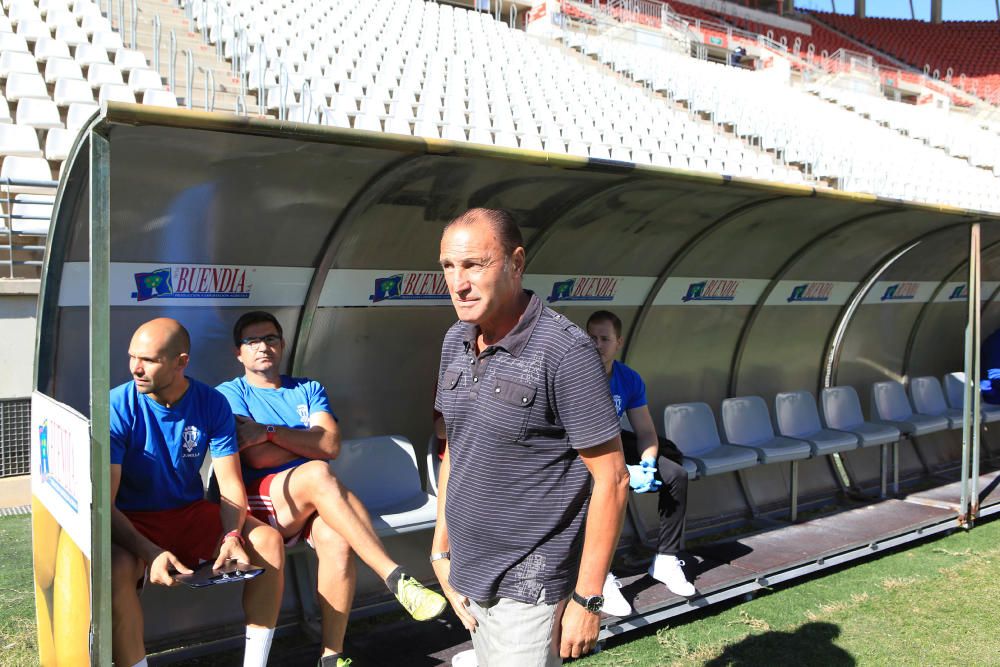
841	411
797	417
928	399
691	426
890	406
954	388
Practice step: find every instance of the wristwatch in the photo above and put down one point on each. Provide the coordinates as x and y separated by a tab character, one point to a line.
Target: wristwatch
270	432
591	603
441	555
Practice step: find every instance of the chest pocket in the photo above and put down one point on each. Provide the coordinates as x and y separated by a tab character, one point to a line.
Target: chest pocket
514	401
451	382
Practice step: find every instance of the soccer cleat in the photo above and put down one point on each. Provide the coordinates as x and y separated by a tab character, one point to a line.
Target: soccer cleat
667	570
615	603
328	661
422	603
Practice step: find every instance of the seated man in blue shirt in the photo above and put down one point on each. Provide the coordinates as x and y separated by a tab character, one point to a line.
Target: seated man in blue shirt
162	424
629	394
989	364
287	433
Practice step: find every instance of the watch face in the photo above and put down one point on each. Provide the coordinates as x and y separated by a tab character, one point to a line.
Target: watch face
594	603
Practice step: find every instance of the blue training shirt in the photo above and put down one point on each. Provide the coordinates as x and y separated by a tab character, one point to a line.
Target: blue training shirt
989	365
627	388
291	406
161	449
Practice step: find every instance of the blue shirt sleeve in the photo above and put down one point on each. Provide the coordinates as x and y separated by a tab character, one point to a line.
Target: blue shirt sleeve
637	392
318	400
119	427
237	402
223	438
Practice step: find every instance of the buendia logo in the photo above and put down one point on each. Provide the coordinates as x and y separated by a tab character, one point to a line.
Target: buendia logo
193	282
900	292
584	289
813	292
712	290
960	293
416	286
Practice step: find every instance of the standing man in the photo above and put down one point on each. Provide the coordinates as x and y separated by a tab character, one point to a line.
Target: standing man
162	424
645	457
529	423
287	434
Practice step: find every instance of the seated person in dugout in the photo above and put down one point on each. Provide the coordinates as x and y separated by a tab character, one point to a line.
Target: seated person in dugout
989	364
287	433
162	424
652	465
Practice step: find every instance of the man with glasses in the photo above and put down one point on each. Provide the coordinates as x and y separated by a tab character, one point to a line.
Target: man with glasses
162	425
287	433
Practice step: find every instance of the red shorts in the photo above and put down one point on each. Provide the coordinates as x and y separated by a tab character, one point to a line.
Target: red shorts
259	501
192	533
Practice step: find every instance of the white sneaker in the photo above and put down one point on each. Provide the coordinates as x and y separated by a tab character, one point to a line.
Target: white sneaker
464	659
667	570
615	603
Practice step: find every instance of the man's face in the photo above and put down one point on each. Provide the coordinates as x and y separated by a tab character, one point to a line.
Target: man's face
263	352
605	340
154	368
481	287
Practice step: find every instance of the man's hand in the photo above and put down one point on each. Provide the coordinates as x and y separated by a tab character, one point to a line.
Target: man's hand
159	569
231	549
460	603
249	433
580	629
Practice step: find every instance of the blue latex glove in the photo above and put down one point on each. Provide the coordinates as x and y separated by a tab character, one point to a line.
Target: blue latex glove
641	477
986	385
993	373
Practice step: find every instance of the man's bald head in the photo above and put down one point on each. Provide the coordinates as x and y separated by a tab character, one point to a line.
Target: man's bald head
166	335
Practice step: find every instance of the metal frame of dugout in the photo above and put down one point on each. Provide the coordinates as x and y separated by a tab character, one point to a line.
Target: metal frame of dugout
727	287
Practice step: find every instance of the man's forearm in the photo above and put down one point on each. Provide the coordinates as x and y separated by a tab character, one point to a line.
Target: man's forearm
314	443
440	540
604	524
266	455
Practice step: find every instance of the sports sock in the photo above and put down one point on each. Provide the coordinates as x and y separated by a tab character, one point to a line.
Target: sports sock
258	646
141	663
329	660
392	581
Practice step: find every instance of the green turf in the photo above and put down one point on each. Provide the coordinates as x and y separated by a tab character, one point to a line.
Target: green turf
923	606
928	605
18	639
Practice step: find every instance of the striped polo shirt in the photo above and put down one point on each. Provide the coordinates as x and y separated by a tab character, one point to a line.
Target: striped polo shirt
516	415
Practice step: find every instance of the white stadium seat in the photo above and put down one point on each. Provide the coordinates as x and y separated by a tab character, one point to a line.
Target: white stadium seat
19	168
159	98
47	48
79	113
68	91
19	140
41	114
113	92
61	68
22	84
141	79
99	74
16	61
58	142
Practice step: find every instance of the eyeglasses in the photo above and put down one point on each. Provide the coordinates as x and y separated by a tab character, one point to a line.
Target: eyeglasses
269	340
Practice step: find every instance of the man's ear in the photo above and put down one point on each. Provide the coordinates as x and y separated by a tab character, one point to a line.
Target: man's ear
183	359
517	260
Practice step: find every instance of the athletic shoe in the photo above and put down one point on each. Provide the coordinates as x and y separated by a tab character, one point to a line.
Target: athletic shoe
328	661
422	603
615	603
667	570
464	659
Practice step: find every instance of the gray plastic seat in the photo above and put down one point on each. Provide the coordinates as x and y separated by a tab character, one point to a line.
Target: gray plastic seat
890	406
747	423
692	428
382	471
928	399
954	389
842	411
797	417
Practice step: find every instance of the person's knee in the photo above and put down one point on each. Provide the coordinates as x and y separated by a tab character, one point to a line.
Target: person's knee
319	475
126	571
269	544
331	547
673	474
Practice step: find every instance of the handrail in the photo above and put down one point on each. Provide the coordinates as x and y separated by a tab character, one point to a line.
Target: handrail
110	13
209	103
241	105
282	91
7	184
121	19
261	70
512	16
304	94
189	75
204	22
157	35
173	61
135	22
218	31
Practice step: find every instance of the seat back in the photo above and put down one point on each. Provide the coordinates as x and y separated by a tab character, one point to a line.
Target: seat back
841	407
889	401
796	413
746	421
927	397
691	426
381	470
954	388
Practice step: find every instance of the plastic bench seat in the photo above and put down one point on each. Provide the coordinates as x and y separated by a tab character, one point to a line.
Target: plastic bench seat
19	140
382	471
31	214
798	417
954	388
692	427
746	423
928	399
890	406
842	411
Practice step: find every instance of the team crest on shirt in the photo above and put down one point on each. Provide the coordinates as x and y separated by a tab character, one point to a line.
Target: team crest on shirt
303	411
190	437
618	403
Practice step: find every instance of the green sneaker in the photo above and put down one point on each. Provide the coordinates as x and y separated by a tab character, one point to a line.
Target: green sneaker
341	662
422	603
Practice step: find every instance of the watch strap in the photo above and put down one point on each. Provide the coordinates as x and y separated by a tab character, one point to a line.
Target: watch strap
441	555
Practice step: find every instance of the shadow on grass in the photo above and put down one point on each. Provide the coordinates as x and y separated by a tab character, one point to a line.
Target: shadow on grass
811	644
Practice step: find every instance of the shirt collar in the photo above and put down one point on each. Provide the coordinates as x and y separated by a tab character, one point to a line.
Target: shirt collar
516	338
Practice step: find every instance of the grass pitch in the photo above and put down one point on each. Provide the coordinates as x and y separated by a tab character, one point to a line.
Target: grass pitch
932	604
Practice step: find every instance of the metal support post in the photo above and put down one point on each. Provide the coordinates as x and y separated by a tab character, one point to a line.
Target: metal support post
975	302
